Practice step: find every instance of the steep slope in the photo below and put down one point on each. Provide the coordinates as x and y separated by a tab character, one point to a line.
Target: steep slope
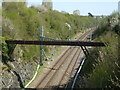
23	23
101	69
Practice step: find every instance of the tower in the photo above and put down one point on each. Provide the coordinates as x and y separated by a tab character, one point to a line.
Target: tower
48	4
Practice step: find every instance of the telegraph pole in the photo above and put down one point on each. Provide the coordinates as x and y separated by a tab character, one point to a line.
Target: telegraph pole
41	46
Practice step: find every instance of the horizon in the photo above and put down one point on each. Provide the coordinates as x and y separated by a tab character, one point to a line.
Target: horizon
96	8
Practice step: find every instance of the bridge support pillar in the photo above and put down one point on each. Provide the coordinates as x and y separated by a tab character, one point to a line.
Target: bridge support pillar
85	51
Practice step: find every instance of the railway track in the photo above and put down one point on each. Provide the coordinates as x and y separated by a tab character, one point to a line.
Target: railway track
68	73
48	77
63	69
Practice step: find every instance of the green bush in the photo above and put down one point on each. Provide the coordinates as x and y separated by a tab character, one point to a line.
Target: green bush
5	56
101	69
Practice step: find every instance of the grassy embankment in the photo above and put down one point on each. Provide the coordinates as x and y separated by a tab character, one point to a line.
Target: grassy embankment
102	68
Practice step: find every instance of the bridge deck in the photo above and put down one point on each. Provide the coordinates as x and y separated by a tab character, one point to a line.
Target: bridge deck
56	42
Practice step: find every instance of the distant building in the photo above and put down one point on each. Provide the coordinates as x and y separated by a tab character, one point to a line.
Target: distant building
119	7
76	12
64	12
48	4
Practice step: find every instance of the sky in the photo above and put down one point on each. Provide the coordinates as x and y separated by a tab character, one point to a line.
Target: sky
96	7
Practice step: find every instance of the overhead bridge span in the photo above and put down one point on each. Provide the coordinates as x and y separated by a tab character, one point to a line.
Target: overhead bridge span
56	42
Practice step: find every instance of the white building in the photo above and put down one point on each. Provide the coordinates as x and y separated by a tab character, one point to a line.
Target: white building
119	7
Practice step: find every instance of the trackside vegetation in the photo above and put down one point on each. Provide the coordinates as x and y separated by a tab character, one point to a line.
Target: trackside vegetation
102	68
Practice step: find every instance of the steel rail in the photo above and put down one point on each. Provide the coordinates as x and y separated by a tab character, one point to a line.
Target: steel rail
70	65
60	67
67	85
56	64
53	67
